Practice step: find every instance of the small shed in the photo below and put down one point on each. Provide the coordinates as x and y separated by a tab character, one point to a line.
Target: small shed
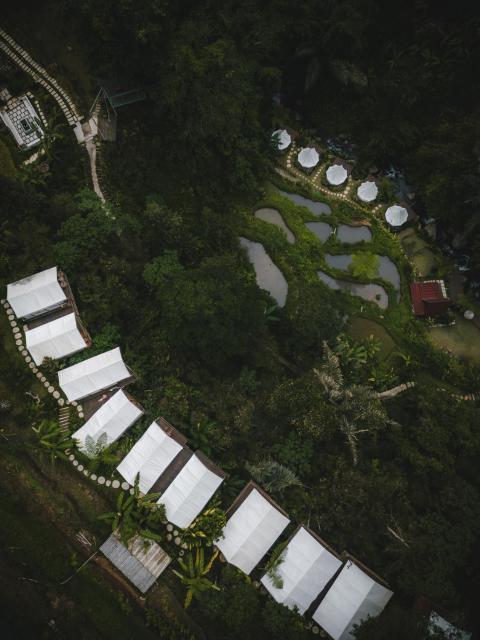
254	524
142	561
429	298
113	419
152	454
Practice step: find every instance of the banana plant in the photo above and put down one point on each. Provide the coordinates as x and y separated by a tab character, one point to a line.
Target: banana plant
194	570
52	440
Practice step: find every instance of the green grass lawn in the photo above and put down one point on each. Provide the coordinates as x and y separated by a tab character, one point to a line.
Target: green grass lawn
417	250
463	339
362	328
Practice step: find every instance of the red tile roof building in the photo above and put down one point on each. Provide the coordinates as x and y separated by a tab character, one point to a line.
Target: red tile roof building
429	298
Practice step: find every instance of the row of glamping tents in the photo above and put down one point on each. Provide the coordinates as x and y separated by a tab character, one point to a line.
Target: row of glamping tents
308	158
337	591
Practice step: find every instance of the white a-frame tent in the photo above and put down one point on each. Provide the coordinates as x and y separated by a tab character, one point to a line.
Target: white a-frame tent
307	566
55	339
93	375
354	596
113	419
253	527
36	294
149	457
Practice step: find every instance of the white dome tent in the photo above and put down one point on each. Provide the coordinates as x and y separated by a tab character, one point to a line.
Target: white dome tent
336	175
308	158
283	139
367	191
396	215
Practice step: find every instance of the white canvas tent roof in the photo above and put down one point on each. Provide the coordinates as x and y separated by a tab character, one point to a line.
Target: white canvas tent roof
55	339
149	457
308	157
189	492
436	623
284	139
396	215
367	191
306	569
352	598
251	531
113	418
36	293
93	375
336	174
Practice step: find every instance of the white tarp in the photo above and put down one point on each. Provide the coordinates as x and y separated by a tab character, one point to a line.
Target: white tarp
55	339
308	157
149	457
367	191
251	531
189	492
284	139
396	215
352	598
113	418
336	174
36	293
306	568
93	375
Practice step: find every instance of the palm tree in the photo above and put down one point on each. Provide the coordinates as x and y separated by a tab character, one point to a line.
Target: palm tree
135	514
275	477
99	452
357	407
53	440
193	574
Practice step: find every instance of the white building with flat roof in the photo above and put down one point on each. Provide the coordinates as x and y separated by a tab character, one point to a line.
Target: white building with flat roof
21	119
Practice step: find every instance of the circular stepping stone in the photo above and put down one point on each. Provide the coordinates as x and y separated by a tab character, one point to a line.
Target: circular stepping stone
43	379
80	467
175	533
56	395
125	486
71	457
13	323
169	527
169	536
19	342
39	374
61	402
74	403
86	472
115	484
75	463
16	330
132	491
31	365
46	384
80	414
177	541
101	480
184	545
93	477
51	389
34	369
27	358
108	483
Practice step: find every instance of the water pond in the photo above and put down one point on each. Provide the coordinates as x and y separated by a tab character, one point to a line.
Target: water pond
273	216
350	234
370	292
321	229
268	275
317	208
386	270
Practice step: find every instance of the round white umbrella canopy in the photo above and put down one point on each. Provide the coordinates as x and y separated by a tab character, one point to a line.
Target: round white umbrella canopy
284	139
308	157
336	174
367	191
396	215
